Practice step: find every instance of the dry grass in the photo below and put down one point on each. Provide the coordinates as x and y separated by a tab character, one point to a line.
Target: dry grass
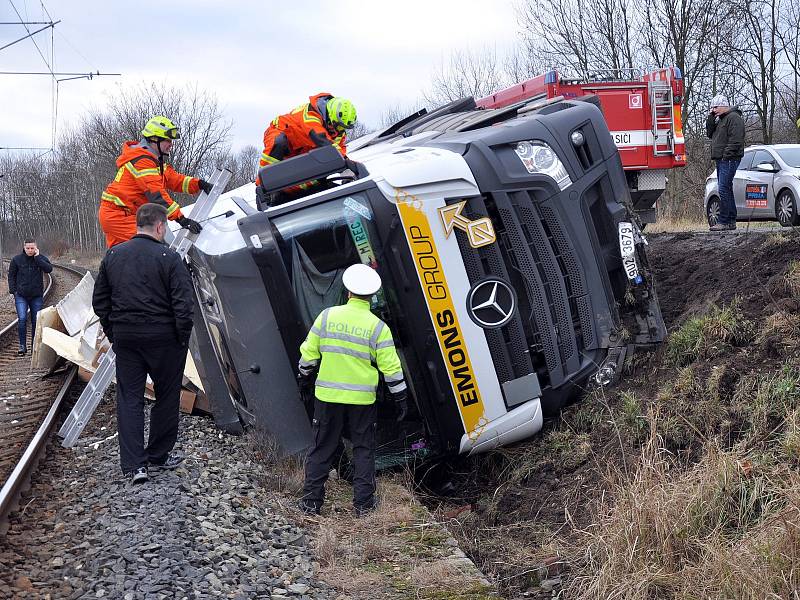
427	579
792	278
780	332
666	225
725	528
778	239
398	551
282	474
663	225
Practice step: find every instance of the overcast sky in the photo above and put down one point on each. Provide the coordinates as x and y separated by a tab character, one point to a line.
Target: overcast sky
259	58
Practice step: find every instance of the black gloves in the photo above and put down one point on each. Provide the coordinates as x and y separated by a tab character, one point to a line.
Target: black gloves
356	167
205	186
401	399
190	224
305	383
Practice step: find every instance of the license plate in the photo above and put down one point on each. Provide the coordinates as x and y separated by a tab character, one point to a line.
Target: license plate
627	242
629	264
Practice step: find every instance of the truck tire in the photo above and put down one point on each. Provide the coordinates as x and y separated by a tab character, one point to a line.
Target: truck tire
786	209
712	210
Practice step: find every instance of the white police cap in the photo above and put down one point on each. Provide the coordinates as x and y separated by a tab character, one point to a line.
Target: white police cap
361	280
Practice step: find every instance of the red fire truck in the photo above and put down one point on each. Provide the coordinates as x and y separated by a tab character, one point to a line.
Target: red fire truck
643	113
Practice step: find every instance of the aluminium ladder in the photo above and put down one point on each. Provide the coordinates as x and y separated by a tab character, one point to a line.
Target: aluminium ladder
98	384
663	117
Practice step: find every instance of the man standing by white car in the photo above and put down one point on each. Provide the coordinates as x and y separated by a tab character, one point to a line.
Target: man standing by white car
725	127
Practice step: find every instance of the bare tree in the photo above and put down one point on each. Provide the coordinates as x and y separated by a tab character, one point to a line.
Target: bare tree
243	164
467	73
754	58
55	197
580	37
789	33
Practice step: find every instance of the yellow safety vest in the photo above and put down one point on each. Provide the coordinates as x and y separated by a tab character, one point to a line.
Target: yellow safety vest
344	342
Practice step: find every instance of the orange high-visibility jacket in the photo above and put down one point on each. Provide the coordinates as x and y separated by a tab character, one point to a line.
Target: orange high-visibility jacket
139	180
298	132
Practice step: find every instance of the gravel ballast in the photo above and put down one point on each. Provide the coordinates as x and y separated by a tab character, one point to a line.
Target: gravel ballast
205	530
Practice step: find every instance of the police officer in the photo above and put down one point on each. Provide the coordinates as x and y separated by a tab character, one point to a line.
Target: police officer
345	344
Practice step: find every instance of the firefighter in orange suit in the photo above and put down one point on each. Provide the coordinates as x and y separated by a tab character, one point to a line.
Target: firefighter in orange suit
323	120
144	176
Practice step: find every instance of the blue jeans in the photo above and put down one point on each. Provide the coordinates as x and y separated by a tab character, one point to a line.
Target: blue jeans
23	304
726	169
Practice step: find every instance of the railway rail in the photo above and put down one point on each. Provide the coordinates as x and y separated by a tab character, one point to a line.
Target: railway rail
30	401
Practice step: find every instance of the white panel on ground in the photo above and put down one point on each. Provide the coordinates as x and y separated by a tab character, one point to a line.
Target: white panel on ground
42	355
74	308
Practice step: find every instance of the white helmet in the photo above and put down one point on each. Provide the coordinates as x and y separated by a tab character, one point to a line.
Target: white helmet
361	280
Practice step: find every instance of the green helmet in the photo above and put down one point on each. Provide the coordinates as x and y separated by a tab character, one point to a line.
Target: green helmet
161	127
341	113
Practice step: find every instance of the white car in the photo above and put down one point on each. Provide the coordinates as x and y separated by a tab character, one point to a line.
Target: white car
766	186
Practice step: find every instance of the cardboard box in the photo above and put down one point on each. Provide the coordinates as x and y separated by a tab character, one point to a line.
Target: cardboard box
187	401
202	404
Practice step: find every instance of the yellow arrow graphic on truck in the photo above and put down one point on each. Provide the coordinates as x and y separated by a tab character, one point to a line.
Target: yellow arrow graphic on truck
480	232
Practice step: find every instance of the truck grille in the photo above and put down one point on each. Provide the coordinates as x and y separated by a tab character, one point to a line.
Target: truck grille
534	253
507	345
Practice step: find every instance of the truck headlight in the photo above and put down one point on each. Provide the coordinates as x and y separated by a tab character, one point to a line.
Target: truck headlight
538	157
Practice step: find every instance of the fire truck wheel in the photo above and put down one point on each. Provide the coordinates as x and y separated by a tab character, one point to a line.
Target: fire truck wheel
712	210
786	209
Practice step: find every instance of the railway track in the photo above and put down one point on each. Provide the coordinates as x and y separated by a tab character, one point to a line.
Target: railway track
30	401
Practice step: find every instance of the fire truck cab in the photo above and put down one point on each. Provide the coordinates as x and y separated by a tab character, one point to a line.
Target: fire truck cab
643	114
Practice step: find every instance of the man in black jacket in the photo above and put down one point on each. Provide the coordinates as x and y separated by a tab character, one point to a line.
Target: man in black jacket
144	299
725	127
25	284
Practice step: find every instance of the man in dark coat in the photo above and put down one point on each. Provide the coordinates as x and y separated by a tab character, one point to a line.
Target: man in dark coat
144	299
25	284
725	127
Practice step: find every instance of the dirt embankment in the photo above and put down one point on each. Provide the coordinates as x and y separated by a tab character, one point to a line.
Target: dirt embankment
675	483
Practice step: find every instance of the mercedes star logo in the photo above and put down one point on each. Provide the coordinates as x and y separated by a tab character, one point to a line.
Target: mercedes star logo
491	303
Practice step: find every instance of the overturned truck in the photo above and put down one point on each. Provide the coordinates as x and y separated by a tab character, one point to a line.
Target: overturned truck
514	274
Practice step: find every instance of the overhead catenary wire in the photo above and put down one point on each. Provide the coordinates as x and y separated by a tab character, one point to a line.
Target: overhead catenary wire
50	25
56	77
22	21
88	75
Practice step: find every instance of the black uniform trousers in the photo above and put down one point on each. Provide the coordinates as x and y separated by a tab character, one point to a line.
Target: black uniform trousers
330	421
164	359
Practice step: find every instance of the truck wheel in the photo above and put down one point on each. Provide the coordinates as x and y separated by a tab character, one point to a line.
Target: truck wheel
712	210
786	209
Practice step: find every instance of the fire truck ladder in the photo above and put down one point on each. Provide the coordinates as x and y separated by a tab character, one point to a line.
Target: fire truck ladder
663	117
98	384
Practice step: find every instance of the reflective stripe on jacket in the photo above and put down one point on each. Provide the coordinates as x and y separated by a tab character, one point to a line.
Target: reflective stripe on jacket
345	342
139	181
298	132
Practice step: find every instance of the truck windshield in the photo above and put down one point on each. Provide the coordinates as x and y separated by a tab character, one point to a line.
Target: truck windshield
791	156
319	242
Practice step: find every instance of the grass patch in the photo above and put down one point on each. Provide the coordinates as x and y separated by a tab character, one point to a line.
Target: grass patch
631	417
394	552
767	398
792	278
696	533
709	336
282	474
